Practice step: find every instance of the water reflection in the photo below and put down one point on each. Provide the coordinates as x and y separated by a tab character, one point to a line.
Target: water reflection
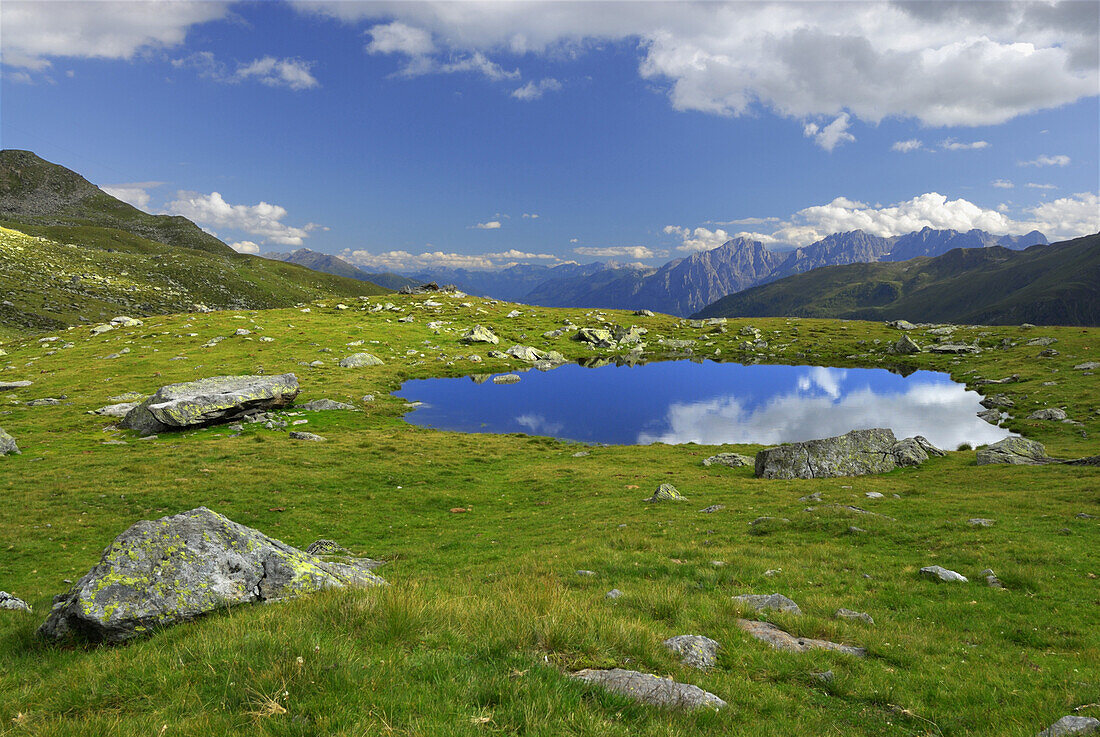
709	403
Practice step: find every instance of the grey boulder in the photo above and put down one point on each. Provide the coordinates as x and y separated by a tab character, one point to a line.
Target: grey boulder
6	385
761	602
207	401
322	405
783	640
1071	725
7	444
171	570
855	453
914	451
12	603
1050	413
695	651
733	460
115	410
479	334
665	493
843	613
1014	451
360	360
905	346
650	689
939	573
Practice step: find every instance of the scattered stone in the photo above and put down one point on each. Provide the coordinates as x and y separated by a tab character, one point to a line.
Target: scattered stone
531	354
824	676
1042	341
1005	380
613	594
1014	451
733	460
7	444
695	651
643	313
1071	725
323	405
991	579
650	689
666	492
905	346
581	454
902	325
114	410
174	569
852	454
44	402
7	601
360	360
914	451
479	334
1051	413
8	385
506	379
873	495
992	416
1087	366
299	435
781	640
843	613
980	522
942	574
583	572
367	398
207	401
997	400
1048	353
955	348
514	313
712	508
761	602
762	520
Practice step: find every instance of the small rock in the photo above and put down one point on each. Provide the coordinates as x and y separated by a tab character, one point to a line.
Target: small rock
695	651
7	601
942	574
666	492
1047	414
1071	725
479	334
583	572
991	579
299	435
980	522
322	405
733	460
359	360
7	444
1087	366
782	640
712	508
650	689
873	495
843	613
762	602
613	594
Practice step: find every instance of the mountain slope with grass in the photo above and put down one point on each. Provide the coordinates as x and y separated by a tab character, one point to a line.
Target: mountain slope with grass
1057	284
500	549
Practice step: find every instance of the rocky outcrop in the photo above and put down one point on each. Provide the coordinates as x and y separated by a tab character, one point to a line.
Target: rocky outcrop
855	453
7	444
171	570
1014	451
208	401
650	689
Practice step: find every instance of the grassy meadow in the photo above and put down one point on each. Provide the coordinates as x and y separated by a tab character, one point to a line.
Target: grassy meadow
486	614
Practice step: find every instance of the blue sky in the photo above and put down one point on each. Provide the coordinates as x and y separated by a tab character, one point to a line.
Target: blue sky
411	134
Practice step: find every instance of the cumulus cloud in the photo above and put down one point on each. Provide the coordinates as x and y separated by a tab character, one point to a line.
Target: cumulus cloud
832	135
1067	217
531	215
1046	160
944	64
262	219
135	193
950	144
1003	184
490	225
405	261
399	38
534	90
245	247
908	146
620	252
35	32
294	74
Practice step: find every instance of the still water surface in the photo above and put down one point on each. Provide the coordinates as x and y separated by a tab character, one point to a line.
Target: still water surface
709	403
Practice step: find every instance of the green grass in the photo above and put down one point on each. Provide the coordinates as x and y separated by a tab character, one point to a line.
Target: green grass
485	615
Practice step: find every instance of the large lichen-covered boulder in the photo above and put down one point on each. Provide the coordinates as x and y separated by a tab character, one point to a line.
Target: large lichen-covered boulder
480	334
174	569
852	454
7	444
360	360
650	689
914	451
207	401
1014	451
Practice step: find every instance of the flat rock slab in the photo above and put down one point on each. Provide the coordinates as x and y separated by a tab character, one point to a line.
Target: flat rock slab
695	651
1072	725
843	613
174	569
782	640
6	385
207	401
120	409
1014	451
940	573
299	435
360	360
733	460
7	444
323	405
650	689
855	453
762	602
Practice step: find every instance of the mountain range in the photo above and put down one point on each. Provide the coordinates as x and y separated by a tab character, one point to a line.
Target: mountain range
329	264
1056	284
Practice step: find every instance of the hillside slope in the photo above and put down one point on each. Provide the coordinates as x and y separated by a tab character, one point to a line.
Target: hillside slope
1053	285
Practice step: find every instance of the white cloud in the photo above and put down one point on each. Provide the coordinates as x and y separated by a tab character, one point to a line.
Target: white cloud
943	64
408	261
908	146
1067	217
574	240
1003	184
531	215
476	63
950	144
35	32
245	247
262	219
1046	160
620	252
832	135
292	73
491	225
1033	185
135	193
516	255
399	38
534	90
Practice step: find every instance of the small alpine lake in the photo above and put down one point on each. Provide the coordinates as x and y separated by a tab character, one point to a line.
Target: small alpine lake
710	403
